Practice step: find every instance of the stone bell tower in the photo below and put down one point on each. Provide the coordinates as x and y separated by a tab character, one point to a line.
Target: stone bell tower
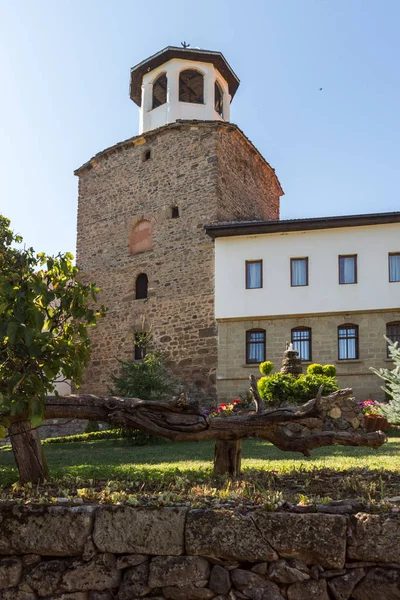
142	207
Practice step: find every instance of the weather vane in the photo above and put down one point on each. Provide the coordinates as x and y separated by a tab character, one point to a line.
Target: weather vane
185	45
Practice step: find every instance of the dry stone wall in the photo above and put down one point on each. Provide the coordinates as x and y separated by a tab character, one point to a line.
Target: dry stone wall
127	553
200	168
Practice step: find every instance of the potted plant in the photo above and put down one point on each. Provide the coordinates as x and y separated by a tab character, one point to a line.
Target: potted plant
373	420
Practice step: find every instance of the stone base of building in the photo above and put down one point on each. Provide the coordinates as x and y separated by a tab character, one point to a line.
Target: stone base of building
233	372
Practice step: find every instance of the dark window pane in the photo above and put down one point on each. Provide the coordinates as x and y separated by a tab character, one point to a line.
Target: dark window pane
160	91
348	342
253	274
141	286
394	267
301	340
191	85
393	333
218	103
347	269
255	346
299	274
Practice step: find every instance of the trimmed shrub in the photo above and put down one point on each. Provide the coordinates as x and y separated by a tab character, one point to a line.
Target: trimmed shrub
266	367
315	369
92	426
277	388
329	370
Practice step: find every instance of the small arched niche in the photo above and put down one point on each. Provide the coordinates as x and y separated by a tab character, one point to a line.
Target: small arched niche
191	86
141	286
141	237
218	99
159	91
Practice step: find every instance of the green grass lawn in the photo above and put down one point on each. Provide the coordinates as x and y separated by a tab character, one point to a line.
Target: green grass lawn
112	470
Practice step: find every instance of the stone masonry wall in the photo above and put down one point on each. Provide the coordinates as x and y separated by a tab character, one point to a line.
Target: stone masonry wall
233	373
117	189
125	553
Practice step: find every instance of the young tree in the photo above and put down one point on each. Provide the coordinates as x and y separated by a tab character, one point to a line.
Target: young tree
44	314
392	388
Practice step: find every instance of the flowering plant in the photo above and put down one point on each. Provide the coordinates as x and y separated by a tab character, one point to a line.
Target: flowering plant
222	410
370	407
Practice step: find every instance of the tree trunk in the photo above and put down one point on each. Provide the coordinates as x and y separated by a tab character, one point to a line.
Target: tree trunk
28	453
228	457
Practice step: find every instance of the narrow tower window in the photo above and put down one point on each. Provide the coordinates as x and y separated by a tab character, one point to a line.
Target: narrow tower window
142	283
174	212
146	155
191	87
160	91
218	100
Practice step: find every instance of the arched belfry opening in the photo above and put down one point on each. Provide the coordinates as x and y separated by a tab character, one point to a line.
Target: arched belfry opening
218	99
141	286
141	238
191	86
159	91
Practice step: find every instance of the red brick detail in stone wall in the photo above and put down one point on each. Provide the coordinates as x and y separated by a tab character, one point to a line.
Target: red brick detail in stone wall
141	238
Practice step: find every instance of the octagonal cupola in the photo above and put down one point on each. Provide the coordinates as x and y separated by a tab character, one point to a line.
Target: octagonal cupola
182	84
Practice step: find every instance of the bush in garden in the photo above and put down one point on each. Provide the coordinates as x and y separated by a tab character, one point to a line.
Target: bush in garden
391	377
279	387
315	369
266	367
329	370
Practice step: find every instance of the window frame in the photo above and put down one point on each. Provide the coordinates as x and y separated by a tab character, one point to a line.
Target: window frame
142	276
396	337
260	262
179	86
154	100
249	342
309	340
292	260
389	255
356	338
354	256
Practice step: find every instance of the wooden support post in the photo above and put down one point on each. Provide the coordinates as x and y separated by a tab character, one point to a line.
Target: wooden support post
228	457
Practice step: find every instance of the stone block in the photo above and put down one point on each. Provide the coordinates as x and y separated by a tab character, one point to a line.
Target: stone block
177	571
308	590
378	584
226	534
220	580
341	587
135	582
50	531
313	538
10	572
187	593
45	577
140	531
98	574
374	537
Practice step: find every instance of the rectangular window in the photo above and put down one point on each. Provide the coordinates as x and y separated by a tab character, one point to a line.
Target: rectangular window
348	269
255	346
394	266
348	342
254	278
301	340
298	271
393	333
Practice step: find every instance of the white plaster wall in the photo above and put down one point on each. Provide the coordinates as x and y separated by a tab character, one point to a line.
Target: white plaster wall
173	109
323	294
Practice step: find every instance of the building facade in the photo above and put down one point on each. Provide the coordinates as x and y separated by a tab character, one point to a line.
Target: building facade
330	286
142	208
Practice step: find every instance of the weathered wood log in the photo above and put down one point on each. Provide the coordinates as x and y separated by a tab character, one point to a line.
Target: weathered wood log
228	457
182	421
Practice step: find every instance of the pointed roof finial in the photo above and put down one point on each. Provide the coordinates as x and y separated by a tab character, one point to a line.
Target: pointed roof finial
185	45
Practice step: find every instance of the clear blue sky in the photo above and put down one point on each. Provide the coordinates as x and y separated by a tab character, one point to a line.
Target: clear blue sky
64	69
